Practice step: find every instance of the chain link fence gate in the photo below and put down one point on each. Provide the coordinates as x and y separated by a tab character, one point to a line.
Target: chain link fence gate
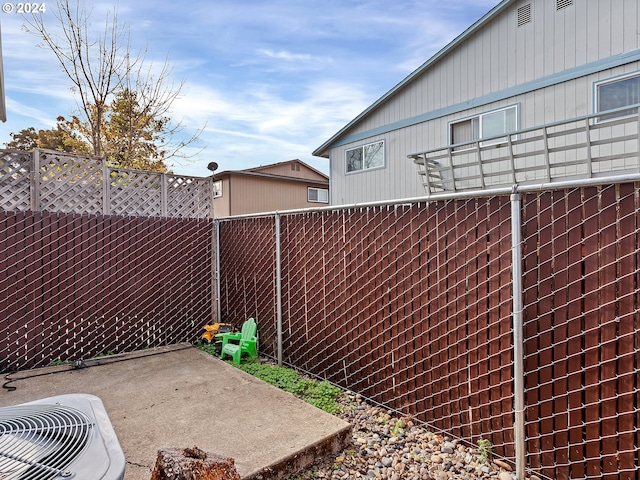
411	305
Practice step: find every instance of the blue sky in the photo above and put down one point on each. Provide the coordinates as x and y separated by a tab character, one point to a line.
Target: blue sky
268	80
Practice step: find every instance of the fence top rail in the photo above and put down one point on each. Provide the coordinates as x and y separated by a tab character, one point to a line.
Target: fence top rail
557	185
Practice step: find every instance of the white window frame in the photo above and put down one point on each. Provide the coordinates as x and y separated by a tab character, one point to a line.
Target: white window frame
363	149
481	117
318	191
217	189
610	81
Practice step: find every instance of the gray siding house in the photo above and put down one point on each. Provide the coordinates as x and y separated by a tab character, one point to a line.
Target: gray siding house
516	98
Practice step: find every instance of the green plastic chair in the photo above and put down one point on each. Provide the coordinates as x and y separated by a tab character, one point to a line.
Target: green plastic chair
235	344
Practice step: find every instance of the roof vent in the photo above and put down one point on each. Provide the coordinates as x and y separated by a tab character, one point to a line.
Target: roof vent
524	15
560	4
69	436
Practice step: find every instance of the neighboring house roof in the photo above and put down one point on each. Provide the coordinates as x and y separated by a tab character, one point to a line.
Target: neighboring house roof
323	150
264	171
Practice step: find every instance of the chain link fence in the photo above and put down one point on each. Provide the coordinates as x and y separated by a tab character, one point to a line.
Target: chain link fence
95	260
411	305
78	286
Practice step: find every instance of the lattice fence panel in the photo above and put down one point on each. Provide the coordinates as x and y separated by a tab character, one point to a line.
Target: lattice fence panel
135	192
47	180
70	183
76	286
581	332
15	174
189	197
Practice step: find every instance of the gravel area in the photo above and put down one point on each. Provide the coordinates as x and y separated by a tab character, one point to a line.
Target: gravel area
386	446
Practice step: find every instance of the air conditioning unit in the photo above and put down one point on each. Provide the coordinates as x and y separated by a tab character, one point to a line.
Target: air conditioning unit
58	438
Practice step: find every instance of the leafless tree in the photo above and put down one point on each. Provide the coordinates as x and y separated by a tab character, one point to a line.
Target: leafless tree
95	66
101	64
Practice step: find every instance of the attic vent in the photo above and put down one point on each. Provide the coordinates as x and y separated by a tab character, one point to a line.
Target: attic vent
560	4
524	14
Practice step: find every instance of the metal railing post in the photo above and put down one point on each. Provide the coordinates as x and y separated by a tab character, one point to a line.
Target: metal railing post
518	341
278	290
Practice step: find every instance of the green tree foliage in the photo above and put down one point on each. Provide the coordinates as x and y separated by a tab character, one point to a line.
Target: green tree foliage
62	138
133	136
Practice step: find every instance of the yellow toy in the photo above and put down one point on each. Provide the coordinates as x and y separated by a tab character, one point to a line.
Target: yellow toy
209	335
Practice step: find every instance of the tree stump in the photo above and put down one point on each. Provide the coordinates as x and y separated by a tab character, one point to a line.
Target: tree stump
193	464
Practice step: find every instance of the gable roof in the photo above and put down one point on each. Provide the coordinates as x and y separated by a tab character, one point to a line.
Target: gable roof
267	171
323	150
267	168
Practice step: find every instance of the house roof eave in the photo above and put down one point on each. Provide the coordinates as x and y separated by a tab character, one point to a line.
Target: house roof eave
323	150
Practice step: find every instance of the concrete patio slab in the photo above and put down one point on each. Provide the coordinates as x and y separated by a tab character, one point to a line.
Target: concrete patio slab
179	396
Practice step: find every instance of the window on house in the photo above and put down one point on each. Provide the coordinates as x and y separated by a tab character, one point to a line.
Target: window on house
617	93
365	157
217	189
319	195
484	125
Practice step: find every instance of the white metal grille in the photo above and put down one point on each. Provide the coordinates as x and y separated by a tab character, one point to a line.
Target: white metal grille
40	442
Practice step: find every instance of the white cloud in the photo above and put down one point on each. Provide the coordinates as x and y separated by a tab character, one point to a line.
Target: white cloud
288	56
270	81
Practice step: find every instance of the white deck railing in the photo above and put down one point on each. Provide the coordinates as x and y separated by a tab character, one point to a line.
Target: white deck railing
585	147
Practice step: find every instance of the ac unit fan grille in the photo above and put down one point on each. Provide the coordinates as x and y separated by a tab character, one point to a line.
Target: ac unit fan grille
39	442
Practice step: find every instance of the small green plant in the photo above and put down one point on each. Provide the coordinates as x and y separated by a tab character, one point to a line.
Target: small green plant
398	429
57	362
210	349
100	355
320	394
484	451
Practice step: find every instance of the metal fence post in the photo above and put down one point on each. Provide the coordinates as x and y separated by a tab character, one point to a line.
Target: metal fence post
278	290
216	269
518	342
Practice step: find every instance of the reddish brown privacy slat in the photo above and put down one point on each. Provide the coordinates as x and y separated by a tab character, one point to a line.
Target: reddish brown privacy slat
591	205
575	271
559	249
627	259
608	328
77	285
